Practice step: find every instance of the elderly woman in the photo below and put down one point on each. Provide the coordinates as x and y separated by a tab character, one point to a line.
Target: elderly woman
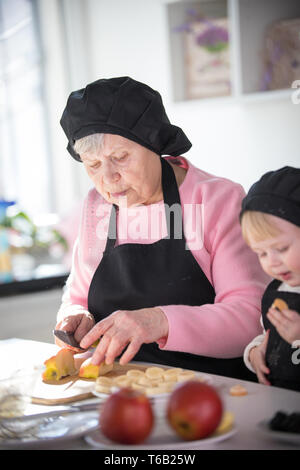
160	270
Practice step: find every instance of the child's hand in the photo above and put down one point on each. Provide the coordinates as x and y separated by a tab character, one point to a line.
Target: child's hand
257	358
286	322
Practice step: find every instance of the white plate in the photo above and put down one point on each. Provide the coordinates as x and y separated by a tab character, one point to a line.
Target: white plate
60	428
162	437
290	437
198	375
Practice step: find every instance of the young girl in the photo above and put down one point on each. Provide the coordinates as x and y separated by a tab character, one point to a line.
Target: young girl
270	221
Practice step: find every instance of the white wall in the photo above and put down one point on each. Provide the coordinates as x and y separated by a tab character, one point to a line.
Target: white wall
89	39
239	141
242	141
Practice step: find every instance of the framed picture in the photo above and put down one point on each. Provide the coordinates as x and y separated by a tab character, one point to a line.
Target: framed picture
207	60
282	55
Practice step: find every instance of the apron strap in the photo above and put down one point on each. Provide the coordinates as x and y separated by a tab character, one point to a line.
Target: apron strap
112	230
172	201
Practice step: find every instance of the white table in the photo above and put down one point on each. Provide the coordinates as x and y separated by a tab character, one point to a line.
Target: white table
261	403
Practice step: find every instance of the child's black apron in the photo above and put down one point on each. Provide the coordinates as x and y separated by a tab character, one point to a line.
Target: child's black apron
281	358
134	276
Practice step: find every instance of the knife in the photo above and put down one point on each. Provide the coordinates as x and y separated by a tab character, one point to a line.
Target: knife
68	338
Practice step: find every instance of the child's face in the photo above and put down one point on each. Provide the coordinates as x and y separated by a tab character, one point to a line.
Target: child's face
279	256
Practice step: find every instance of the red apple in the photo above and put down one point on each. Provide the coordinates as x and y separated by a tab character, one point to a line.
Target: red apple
126	417
194	410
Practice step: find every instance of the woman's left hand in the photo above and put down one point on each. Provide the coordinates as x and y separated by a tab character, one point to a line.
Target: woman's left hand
123	328
286	322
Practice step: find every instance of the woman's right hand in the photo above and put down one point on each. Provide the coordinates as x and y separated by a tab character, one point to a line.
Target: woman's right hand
257	357
79	324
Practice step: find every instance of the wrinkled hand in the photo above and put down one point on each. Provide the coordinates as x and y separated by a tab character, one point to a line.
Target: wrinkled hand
123	328
79	324
257	358
286	322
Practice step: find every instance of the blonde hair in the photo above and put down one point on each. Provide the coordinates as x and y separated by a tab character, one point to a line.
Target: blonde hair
89	144
258	225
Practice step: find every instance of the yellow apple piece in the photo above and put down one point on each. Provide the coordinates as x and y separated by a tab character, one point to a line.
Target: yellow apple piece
92	371
226	423
80	358
59	366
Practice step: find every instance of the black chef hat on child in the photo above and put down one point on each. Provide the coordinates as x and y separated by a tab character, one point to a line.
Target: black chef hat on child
125	107
276	193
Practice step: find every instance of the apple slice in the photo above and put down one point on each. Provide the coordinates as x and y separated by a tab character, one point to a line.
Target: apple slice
60	365
80	358
92	371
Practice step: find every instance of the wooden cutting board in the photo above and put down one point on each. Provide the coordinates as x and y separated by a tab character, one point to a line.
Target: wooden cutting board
71	389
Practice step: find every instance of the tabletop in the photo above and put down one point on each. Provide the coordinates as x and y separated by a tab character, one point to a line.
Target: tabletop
260	404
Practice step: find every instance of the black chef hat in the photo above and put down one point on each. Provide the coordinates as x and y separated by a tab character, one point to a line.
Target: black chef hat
124	107
276	193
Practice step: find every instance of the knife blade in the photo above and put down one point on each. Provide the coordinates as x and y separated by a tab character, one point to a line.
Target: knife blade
68	338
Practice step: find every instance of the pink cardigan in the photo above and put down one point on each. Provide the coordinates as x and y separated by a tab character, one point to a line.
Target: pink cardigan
211	206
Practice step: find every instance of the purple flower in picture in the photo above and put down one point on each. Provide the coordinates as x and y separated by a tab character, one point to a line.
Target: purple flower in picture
214	39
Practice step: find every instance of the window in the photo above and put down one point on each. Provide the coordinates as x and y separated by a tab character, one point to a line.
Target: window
25	170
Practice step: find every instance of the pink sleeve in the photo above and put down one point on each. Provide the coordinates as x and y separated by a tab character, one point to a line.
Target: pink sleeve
76	290
222	329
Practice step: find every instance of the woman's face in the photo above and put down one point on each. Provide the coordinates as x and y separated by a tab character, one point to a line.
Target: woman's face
124	172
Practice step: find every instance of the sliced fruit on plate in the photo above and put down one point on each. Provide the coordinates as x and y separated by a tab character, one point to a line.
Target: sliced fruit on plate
226	423
151	381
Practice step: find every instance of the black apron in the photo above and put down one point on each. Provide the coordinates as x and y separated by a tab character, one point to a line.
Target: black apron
284	370
134	276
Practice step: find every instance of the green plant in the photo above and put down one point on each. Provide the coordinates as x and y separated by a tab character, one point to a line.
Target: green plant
22	224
